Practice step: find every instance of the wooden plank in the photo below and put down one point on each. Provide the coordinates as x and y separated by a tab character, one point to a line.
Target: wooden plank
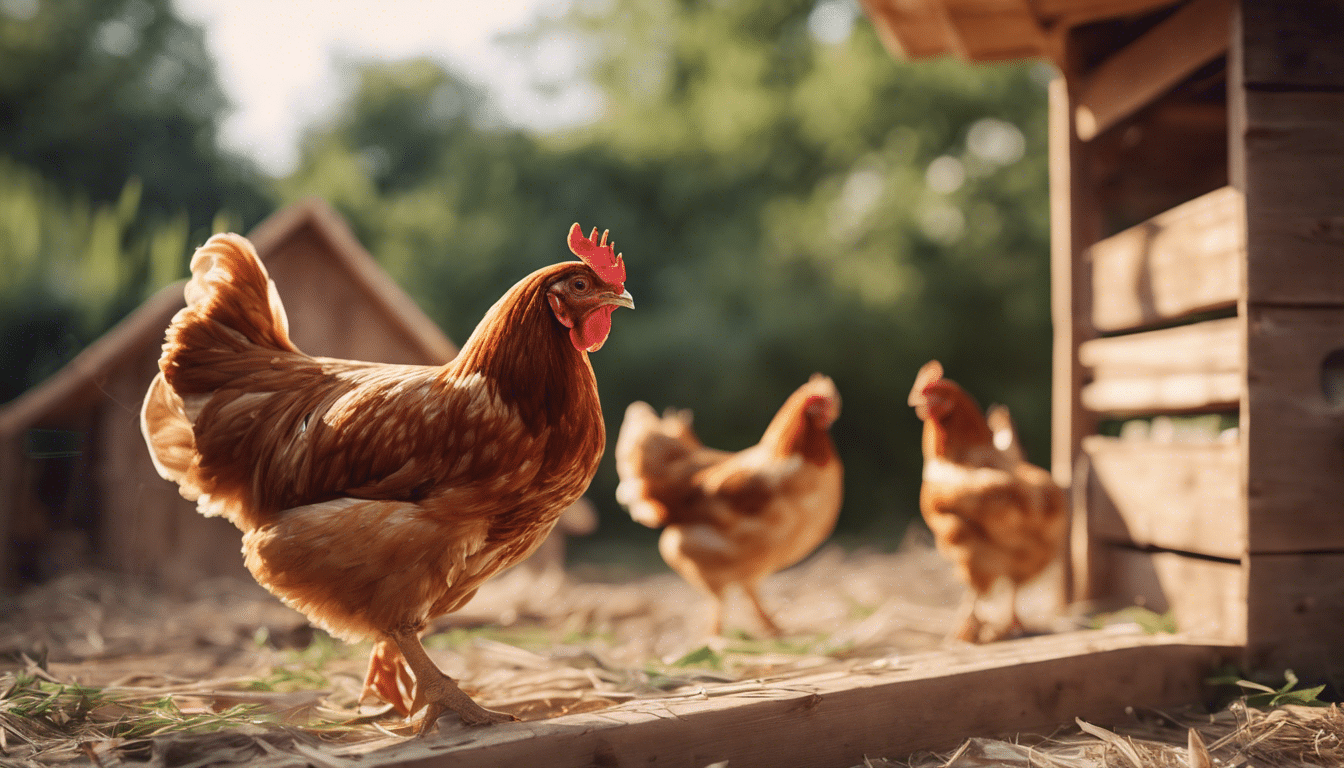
1189	368
1206	597
1188	259
923	701
1154	64
1294	607
1294	158
1297	45
1075	224
1293	435
1177	496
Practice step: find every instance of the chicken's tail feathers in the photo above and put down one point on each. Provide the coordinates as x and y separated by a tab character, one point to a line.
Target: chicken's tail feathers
230	286
172	447
168	433
1001	425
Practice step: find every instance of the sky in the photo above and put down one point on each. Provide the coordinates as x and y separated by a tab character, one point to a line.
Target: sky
278	60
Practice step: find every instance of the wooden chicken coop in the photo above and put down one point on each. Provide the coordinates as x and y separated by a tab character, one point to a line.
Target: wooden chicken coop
1197	201
77	486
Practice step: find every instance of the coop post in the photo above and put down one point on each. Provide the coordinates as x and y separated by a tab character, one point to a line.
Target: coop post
1286	117
1074	226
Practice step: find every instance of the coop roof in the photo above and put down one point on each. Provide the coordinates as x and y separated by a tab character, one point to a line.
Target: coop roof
79	382
990	30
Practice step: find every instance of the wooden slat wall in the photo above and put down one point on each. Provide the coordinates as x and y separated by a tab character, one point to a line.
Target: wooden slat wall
1175	496
1188	368
1286	104
1186	260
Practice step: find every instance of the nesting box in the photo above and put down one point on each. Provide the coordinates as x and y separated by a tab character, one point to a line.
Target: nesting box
1197	204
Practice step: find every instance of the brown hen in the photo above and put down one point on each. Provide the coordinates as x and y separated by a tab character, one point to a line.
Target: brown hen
734	518
373	498
992	514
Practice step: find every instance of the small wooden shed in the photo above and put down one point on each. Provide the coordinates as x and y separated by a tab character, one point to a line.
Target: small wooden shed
76	482
1197	204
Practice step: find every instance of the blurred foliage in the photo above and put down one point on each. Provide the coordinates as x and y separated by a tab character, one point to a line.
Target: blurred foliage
93	94
789	199
109	171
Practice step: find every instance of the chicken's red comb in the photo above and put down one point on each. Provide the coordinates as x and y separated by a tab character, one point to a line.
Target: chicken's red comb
601	257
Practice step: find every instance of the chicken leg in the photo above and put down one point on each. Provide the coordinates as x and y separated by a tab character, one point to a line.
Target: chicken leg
389	678
436	692
770	626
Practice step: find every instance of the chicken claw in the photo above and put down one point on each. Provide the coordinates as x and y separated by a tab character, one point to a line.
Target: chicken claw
436	692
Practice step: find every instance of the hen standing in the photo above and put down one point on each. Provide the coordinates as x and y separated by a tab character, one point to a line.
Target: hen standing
992	514
372	497
734	518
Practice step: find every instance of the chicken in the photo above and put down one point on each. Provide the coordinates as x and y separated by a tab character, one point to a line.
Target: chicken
373	498
734	518
992	514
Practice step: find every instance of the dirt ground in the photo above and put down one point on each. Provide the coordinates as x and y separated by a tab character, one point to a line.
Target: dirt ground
226	672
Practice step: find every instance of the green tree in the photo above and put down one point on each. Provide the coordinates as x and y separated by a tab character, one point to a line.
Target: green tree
93	94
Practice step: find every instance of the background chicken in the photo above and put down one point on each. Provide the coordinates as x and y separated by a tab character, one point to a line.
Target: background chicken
375	497
992	514
734	518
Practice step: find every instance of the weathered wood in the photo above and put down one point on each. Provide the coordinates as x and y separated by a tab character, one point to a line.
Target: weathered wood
1188	259
1294	607
923	701
1293	46
1075	224
1153	64
1294	156
1294	435
1177	496
1206	597
1188	368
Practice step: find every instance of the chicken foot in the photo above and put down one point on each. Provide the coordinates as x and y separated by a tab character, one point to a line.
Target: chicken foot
436	692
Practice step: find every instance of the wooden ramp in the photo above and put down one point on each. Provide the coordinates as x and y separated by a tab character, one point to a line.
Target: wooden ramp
891	708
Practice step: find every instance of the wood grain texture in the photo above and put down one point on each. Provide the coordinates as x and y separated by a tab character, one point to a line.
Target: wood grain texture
927	701
1293	153
1294	607
1153	64
1188	259
1297	45
1188	368
1294	436
1178	496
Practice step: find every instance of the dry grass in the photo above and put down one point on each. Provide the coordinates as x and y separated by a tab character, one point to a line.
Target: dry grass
106	672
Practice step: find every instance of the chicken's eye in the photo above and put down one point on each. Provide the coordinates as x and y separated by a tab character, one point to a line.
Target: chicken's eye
580	284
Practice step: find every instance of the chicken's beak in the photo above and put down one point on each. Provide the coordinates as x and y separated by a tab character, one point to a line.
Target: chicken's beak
624	299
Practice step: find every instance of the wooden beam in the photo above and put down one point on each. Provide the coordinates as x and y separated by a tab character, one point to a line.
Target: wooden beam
1207	597
923	701
1188	259
1293	148
1183	369
1152	65
1294	607
1294	46
1295	450
1075	224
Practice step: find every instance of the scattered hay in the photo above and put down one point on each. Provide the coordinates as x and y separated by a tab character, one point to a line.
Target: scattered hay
1239	735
